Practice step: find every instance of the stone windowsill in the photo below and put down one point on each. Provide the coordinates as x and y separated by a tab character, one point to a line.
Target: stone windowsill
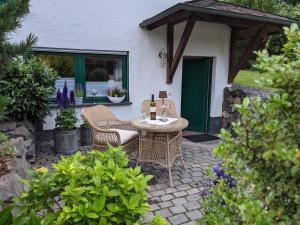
54	106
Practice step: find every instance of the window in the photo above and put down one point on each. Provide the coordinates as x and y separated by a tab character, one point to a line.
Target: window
95	72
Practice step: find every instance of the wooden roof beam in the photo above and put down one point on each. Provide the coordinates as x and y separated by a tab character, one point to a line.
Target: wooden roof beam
235	66
174	18
226	20
180	49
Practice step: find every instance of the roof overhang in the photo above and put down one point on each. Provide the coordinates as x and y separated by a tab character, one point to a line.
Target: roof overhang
187	9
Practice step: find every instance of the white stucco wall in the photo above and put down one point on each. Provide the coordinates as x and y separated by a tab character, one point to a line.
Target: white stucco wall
114	25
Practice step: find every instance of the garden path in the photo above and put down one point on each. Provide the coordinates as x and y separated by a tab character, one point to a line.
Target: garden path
180	204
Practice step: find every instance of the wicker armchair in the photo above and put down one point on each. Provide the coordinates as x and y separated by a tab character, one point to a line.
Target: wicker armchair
171	110
108	129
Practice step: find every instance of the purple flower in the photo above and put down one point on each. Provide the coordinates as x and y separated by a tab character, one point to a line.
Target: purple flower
59	98
65	101
72	98
222	175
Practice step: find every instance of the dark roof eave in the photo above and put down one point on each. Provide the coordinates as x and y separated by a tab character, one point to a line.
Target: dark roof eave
199	9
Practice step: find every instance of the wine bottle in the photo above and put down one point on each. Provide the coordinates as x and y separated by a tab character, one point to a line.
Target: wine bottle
152	109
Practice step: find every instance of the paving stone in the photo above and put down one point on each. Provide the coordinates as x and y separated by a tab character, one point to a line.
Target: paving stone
164	212
193	197
177	209
178	219
194	215
180	194
183	187
192	205
157	193
167	197
165	204
190	223
170	190
154	207
193	191
179	201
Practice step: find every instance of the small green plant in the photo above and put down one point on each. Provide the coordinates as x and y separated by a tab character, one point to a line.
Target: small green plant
158	220
95	188
66	120
98	74
79	91
116	92
6	149
85	124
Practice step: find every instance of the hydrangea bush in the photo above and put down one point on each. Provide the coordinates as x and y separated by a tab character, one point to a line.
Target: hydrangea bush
263	155
95	188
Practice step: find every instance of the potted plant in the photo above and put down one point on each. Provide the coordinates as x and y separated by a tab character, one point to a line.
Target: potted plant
86	137
65	132
116	95
79	93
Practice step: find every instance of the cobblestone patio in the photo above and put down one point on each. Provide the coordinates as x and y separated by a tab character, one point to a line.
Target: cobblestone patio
180	204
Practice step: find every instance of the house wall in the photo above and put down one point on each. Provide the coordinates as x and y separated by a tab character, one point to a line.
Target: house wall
114	25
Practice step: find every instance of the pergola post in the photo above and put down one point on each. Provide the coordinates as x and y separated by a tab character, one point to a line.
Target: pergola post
180	49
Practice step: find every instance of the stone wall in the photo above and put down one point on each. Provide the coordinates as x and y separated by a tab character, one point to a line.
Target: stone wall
22	136
23	139
235	95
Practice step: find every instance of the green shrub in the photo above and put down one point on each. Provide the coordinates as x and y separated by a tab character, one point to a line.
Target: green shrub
66	120
4	101
158	220
264	158
95	188
6	149
29	84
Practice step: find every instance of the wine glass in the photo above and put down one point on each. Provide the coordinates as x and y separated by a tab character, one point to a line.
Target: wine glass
94	93
144	114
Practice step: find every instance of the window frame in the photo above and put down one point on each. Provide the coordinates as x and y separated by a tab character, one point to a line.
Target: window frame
79	70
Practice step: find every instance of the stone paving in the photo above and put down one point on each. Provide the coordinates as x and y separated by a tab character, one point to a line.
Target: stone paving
179	204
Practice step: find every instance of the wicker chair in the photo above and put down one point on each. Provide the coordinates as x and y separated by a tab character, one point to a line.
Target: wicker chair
169	103
108	129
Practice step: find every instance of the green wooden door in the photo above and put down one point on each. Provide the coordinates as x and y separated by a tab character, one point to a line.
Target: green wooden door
195	96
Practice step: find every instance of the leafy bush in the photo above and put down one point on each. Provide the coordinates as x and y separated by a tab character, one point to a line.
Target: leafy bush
7	218
6	149
95	188
66	120
158	220
264	158
29	84
4	101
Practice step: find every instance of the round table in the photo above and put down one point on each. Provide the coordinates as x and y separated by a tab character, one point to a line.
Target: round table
160	144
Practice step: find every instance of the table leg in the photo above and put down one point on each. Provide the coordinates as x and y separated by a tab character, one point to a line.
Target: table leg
140	148
180	149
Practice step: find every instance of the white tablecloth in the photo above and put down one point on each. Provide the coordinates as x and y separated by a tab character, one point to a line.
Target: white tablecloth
159	122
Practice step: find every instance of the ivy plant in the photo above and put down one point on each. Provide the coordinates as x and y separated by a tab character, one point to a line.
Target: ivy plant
263	154
94	188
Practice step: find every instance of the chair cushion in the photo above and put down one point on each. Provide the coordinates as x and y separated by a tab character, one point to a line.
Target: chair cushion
126	135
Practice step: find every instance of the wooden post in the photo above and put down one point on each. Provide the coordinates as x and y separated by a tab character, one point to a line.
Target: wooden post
246	54
180	49
170	47
232	59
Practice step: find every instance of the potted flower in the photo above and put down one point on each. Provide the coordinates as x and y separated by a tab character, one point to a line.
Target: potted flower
65	132
116	95
86	137
79	93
